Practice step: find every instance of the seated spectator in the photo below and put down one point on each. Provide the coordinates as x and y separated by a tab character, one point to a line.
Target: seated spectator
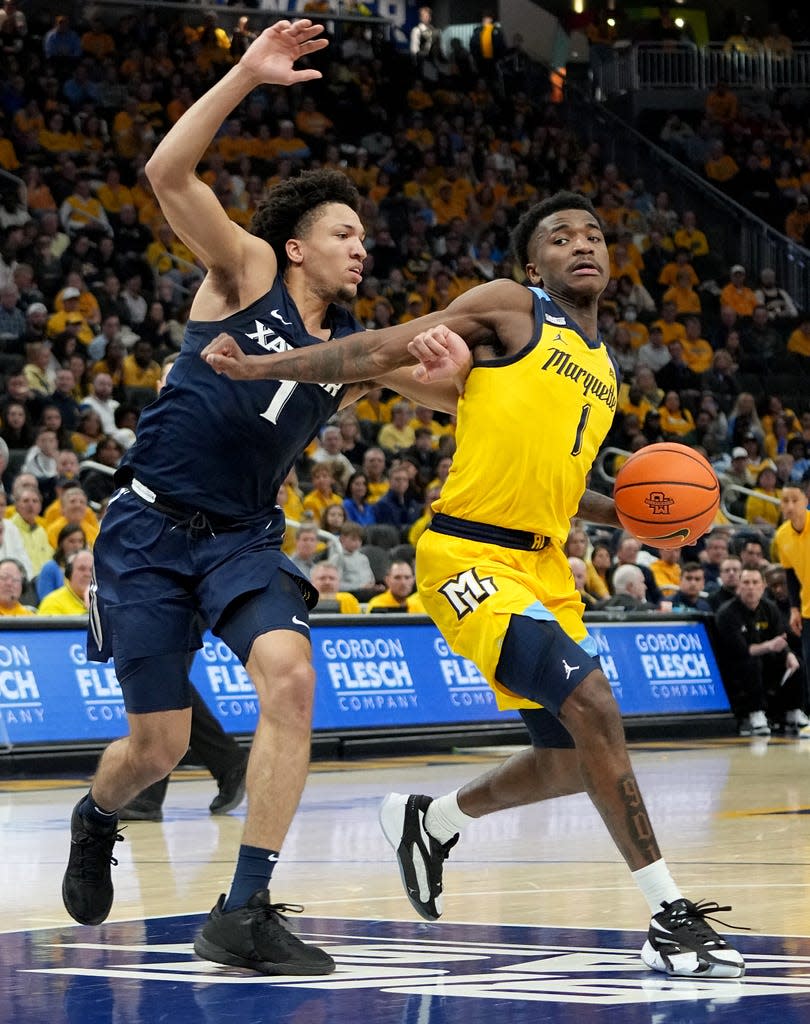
39	369
12	582
782	430
736	294
744	419
683	295
714	553
627	554
98	485
356	573
666	570
752	552
654	354
697	352
721	105
325	577
397	435
352	444
33	536
73	597
397	507
720	168
760	342
730	569
356	503
676	421
374	469
18	431
688	597
598	568
721	381
330	452
398	595
140	370
797	221
88	433
100	399
304	555
743	41
677	375
799	341
758	511
73	510
323	491
688	236
671	327
753	653
579	571
41	457
776	300
629	590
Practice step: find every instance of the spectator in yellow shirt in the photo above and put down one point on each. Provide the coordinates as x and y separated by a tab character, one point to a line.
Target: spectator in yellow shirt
399	595
798	221
323	492
325	577
697	352
73	509
758	511
140	368
720	167
799	340
666	570
689	237
737	294
683	294
12	581
72	597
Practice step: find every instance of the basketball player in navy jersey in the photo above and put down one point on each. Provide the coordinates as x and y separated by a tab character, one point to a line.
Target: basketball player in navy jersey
195	530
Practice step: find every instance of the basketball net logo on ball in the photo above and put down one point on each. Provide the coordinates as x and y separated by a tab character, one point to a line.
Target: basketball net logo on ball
667	495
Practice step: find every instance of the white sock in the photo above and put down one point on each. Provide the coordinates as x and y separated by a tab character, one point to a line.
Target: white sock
444	817
657	885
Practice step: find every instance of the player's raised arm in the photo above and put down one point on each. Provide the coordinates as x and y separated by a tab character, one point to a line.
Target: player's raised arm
188	204
499	309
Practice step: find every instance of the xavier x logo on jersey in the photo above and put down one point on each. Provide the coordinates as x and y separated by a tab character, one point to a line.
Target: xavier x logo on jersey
267	337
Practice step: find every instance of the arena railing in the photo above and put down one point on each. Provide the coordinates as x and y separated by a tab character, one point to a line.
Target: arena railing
732	230
650	66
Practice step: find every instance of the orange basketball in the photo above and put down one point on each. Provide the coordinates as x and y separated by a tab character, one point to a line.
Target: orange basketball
666	495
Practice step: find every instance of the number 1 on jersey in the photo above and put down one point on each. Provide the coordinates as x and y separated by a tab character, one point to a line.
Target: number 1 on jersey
280	399
583	422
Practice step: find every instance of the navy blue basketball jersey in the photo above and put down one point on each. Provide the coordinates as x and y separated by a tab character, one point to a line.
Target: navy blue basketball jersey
224	447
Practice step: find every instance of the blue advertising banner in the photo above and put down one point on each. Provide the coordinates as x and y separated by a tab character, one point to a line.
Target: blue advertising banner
372	673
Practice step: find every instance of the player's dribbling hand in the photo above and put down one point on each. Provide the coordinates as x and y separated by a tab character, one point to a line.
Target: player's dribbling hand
442	355
224	355
270	58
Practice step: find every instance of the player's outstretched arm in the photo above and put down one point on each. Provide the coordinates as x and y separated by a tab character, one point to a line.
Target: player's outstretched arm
499	309
597	508
188	204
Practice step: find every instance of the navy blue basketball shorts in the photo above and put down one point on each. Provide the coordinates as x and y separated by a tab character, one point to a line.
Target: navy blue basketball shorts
154	580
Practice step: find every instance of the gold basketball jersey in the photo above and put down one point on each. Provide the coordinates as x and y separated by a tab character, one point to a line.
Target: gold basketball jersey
529	427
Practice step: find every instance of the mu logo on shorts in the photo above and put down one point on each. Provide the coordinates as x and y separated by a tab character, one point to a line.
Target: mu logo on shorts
467	591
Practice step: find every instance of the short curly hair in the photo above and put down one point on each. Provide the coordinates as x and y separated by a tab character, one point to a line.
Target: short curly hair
292	206
525	227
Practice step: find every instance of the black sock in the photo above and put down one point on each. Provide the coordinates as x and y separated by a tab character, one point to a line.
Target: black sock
96	815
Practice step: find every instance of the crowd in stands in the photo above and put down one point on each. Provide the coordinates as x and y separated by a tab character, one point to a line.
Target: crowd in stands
95	289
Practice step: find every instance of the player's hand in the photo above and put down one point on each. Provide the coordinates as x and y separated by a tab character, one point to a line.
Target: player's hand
796	621
791	662
778	643
442	355
224	355
271	56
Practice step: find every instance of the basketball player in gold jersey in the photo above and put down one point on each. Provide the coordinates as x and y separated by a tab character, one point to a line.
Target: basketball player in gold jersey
491	570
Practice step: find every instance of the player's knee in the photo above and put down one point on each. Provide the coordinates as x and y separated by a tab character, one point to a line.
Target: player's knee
287	695
158	753
591	710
